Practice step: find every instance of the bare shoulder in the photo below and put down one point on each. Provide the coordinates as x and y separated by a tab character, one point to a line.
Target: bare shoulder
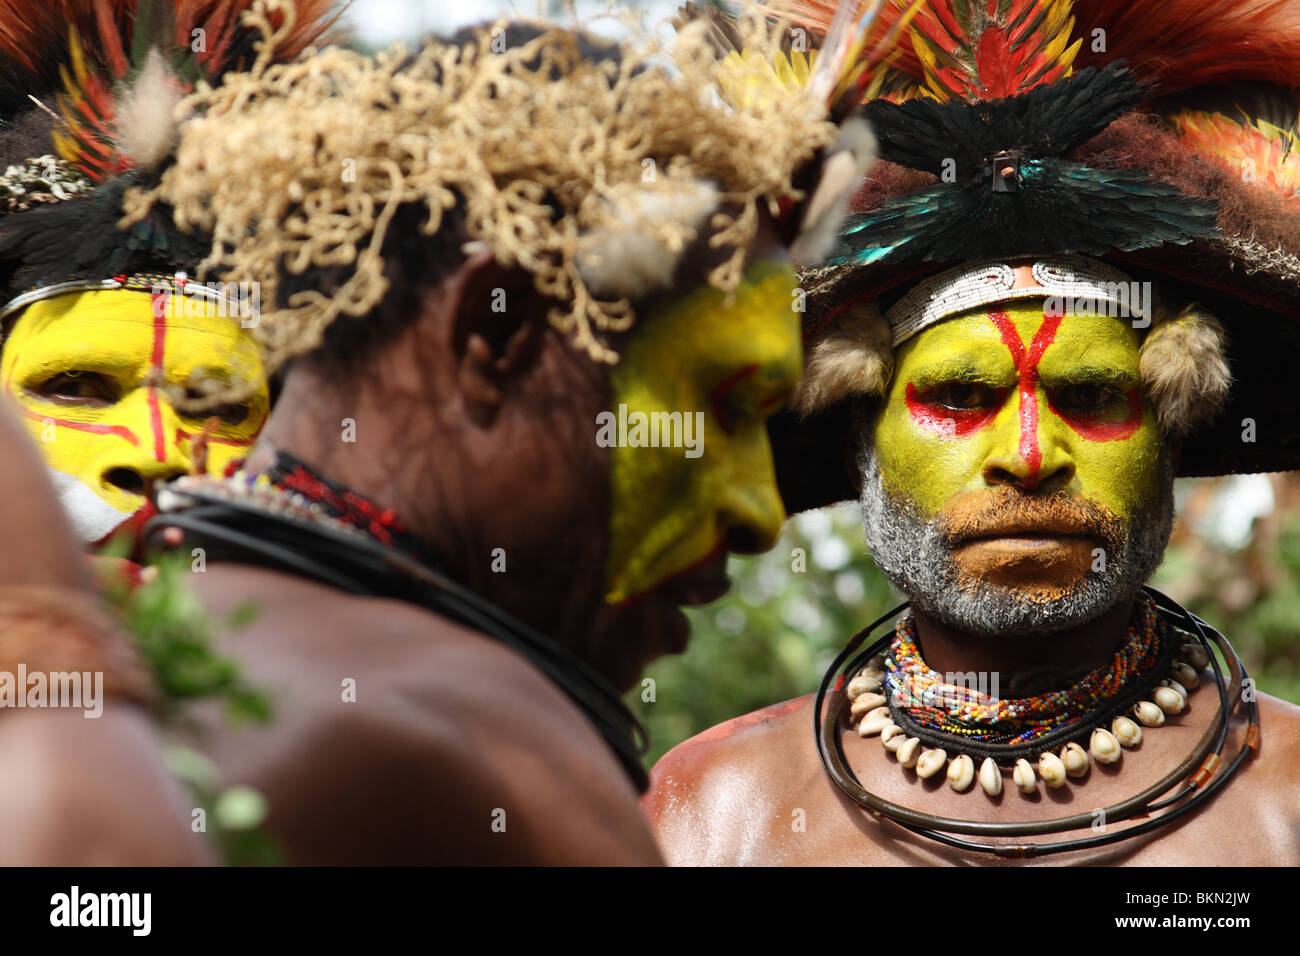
1281	714
723	747
1279	751
712	796
400	736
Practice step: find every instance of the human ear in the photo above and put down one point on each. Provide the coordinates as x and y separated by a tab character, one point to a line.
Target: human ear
495	329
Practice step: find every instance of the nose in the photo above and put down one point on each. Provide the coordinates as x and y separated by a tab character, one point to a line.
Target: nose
128	479
156	456
137	477
1026	455
752	513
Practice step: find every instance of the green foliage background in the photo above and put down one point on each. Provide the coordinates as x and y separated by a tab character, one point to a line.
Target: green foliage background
772	637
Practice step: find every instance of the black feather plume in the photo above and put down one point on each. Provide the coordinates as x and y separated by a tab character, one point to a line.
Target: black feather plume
80	238
1048	120
1058	207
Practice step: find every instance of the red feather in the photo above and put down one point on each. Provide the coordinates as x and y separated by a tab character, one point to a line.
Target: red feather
84	49
1178	44
1170	45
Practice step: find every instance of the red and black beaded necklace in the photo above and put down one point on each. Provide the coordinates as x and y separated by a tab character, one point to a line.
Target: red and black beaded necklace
348	507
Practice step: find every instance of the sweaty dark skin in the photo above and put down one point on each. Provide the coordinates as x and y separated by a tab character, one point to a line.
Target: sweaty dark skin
451	732
729	797
456	749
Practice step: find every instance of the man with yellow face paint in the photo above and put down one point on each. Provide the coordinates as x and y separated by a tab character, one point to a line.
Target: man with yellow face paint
997	401
512	442
676	506
102	377
1030	328
106	342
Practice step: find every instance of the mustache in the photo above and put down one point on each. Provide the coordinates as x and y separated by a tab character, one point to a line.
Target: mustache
1006	511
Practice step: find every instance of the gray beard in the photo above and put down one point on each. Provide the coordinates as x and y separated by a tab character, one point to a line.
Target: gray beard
917	558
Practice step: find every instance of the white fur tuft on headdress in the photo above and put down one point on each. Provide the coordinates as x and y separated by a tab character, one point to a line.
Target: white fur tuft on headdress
855	357
1184	369
849	157
146	125
639	258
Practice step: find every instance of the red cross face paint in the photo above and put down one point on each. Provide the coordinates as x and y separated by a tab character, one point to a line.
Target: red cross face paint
92	372
1009	398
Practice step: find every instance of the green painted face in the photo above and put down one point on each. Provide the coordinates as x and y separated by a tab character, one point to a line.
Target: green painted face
1007	395
699	378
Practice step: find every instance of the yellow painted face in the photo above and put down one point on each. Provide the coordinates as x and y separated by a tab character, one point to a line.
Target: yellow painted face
1006	393
91	373
690	459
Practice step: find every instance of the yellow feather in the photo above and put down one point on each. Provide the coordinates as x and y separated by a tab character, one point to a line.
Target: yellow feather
1057	15
1068	57
65	146
1056	48
78	58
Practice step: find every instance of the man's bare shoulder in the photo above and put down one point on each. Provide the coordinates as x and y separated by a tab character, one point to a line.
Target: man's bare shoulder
731	743
1279	722
432	741
713	797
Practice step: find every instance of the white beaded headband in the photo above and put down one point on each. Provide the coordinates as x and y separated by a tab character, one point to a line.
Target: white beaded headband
136	281
1071	283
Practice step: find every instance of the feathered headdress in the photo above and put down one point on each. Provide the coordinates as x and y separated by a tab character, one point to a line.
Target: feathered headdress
593	173
88	102
1159	136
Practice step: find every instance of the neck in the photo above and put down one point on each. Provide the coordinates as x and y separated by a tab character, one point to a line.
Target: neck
1026	664
415	452
346	434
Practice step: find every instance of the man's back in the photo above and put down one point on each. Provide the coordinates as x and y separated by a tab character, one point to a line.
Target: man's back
400	737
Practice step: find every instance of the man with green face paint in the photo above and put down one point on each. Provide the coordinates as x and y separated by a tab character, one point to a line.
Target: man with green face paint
1015	362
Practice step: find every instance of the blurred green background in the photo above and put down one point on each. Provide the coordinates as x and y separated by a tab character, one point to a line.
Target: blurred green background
1234	559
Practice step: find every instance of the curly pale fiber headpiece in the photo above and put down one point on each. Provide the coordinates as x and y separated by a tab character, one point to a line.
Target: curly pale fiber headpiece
303	166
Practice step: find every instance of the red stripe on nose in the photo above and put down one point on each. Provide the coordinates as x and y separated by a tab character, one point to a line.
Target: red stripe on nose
159	303
1027	369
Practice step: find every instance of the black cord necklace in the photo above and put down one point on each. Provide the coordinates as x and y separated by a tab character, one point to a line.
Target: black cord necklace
238	519
1202	785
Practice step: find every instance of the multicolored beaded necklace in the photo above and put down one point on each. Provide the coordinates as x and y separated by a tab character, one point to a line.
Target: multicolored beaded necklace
975	715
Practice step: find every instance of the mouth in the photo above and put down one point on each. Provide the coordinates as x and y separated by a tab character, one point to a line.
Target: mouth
1028	539
1027	558
702	583
1027	532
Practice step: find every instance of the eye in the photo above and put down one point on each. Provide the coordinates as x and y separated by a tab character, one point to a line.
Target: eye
735	400
964	396
1084	399
233	413
78	387
730	411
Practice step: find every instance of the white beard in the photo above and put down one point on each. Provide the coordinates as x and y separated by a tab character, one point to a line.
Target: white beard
92	517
